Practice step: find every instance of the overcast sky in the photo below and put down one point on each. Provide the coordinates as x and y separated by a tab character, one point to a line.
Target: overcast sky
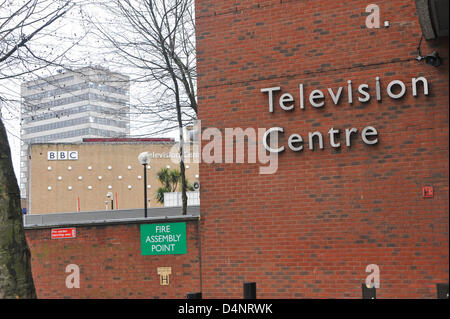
74	27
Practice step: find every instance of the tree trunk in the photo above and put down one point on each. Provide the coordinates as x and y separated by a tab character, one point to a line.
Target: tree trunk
16	280
182	171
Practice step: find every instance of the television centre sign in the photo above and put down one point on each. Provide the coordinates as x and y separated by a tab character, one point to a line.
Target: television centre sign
228	145
396	89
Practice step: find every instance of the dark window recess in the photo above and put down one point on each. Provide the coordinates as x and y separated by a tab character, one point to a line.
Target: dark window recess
368	293
442	291
249	290
194	295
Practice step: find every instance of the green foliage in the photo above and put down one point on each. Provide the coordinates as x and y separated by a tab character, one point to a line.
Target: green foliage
160	194
169	179
189	186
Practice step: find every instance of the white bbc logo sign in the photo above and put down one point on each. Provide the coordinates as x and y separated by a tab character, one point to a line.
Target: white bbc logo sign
62	155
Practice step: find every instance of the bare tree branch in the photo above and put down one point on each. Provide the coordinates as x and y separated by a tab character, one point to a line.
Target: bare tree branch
157	39
19	24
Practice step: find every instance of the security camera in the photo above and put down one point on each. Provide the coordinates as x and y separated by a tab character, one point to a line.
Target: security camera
196	185
433	59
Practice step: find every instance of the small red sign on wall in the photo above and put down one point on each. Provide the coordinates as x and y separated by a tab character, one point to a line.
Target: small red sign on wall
58	233
427	191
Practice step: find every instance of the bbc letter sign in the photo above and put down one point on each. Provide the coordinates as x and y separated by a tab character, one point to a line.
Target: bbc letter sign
62	155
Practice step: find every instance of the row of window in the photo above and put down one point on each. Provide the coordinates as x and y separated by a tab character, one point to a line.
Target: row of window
108	88
73	122
75	133
121	113
76	87
74	99
50	82
109	122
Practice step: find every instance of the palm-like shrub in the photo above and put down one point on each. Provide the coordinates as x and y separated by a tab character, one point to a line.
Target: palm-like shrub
169	178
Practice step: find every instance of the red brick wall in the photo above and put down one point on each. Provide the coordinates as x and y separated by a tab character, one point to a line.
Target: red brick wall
111	265
310	230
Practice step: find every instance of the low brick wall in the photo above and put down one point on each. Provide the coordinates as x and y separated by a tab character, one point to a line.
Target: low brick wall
110	263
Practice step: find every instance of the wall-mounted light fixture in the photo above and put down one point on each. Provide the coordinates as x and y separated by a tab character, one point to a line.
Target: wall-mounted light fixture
109	195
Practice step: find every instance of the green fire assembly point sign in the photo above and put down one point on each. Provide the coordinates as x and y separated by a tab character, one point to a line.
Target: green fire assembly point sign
163	239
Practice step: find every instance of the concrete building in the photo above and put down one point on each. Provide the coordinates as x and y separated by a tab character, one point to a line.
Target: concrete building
71	105
71	177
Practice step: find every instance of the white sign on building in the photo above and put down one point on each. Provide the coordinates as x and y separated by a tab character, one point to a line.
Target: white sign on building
62	155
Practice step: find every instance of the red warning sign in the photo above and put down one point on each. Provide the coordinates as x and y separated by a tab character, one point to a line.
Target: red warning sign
58	233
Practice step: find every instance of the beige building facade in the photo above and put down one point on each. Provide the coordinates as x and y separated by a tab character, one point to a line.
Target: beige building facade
72	105
70	177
